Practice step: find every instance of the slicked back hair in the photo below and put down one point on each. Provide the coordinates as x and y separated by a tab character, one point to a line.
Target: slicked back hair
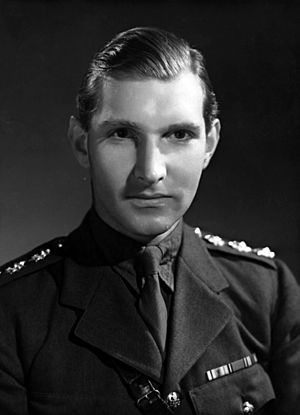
142	53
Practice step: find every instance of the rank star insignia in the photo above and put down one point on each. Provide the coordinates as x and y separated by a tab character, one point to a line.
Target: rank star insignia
16	267
240	246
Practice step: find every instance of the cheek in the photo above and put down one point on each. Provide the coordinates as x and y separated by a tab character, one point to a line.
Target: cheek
109	169
188	169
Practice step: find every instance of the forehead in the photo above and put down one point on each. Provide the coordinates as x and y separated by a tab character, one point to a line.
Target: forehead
152	100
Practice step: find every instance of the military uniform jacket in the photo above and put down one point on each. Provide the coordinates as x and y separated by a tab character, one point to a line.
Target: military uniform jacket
233	344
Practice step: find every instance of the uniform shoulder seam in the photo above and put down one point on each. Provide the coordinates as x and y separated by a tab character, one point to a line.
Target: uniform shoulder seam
34	260
239	248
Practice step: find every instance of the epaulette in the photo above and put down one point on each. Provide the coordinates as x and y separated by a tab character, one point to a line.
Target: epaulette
38	258
240	248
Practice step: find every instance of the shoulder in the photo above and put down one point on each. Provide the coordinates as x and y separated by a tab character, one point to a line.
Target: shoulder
249	271
257	270
32	262
254	275
237	250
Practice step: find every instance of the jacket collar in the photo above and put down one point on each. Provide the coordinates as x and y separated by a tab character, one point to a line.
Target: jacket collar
198	314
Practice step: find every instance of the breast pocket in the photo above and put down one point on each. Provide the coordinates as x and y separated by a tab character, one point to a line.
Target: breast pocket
243	392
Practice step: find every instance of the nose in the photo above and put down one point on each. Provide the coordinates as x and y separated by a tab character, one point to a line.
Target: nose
150	166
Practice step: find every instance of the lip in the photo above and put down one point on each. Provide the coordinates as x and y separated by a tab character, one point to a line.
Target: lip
149	196
149	200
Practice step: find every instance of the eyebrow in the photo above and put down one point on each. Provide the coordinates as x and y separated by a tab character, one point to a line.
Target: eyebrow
119	123
135	126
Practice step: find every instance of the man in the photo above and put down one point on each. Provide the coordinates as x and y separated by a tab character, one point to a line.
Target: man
135	312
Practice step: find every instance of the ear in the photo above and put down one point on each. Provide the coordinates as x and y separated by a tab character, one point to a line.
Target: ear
212	139
78	138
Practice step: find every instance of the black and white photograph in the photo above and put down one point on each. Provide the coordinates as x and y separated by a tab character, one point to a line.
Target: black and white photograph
149	208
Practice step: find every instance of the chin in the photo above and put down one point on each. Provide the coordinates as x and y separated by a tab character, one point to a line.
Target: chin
147	230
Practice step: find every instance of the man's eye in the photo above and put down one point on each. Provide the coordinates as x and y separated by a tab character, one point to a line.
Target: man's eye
122	133
181	135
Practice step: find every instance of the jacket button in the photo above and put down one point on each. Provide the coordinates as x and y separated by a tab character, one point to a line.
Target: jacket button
174	400
248	408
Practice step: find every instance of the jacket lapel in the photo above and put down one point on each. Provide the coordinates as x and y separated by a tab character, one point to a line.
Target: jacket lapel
110	321
198	313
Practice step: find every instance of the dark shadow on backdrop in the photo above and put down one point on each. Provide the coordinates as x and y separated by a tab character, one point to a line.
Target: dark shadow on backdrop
250	191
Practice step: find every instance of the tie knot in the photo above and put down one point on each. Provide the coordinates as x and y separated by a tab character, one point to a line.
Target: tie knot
149	260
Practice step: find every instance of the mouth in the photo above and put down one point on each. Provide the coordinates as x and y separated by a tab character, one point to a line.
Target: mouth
149	196
149	199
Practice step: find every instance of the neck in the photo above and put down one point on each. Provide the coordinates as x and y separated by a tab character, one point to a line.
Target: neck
139	238
158	238
115	246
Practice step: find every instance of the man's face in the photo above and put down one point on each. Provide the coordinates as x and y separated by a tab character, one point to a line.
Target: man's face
147	147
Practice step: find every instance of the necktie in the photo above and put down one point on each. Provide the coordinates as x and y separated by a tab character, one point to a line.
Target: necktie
151	303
